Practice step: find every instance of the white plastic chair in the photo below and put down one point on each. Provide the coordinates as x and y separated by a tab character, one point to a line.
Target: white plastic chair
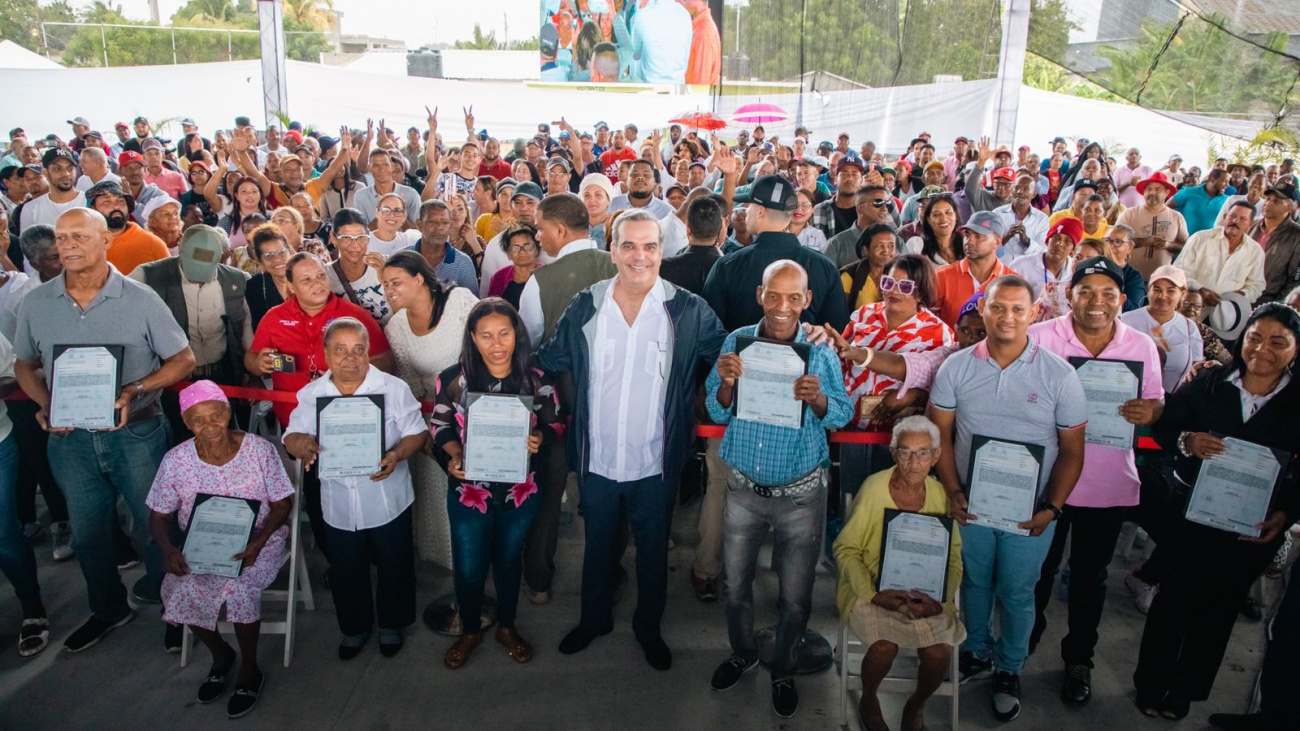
849	652
299	586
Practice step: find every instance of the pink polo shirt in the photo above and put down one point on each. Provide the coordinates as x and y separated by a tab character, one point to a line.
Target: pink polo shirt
1109	478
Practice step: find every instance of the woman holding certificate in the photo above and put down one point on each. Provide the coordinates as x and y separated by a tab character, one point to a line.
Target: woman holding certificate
492	412
900	566
361	425
903	322
231	495
1234	431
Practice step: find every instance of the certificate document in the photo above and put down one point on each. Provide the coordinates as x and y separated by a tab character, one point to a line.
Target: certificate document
350	431
1234	489
1003	478
84	385
765	393
219	528
914	553
1107	384
496	437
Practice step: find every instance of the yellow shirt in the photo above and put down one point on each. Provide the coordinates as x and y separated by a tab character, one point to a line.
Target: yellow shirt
869	294
488	226
1100	233
857	549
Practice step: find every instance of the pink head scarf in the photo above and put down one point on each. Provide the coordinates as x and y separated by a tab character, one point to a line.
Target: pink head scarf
199	392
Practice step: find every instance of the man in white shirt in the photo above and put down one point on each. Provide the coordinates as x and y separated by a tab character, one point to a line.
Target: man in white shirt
634	344
61	172
368	518
1224	259
1026	226
640	192
94	169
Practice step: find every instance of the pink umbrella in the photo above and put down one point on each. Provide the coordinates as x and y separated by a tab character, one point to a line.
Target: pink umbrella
759	114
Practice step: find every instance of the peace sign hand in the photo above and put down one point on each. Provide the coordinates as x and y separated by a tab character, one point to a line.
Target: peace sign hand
469	117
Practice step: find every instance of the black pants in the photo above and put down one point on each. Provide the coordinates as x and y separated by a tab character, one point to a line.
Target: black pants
1281	672
391	549
1190	622
543	533
315	517
34	465
1092	533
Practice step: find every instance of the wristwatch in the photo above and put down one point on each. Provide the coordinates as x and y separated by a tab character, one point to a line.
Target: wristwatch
1046	505
139	390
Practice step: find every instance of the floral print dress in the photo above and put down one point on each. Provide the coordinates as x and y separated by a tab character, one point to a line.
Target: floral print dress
255	473
447	424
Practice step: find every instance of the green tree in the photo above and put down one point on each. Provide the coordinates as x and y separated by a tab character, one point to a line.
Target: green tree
1049	29
481	41
20	22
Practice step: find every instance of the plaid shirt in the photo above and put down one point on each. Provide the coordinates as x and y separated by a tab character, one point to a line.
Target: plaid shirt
776	455
823	217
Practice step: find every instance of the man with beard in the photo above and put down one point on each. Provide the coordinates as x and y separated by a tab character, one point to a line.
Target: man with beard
131	166
1026	226
162	218
1160	231
129	245
492	163
1200	204
839	213
1224	259
640	189
619	151
294	171
980	267
61	172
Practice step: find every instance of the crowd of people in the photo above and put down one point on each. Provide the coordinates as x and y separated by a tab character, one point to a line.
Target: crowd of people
619	285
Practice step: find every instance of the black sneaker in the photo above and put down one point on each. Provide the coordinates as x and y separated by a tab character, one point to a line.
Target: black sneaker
90	633
1006	696
245	697
173	637
785	699
973	668
1078	685
214	686
730	672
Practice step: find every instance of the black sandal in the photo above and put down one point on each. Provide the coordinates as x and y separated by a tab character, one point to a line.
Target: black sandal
245	697
218	678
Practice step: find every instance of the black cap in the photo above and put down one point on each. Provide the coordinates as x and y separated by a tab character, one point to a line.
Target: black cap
1285	188
243	122
528	189
327	143
771	191
549	40
1098	265
1085	183
557	160
57	153
109	187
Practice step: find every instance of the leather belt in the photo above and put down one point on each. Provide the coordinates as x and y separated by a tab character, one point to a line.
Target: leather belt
814	480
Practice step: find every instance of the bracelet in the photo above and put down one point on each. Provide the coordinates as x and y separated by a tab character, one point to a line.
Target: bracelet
1182	444
871	353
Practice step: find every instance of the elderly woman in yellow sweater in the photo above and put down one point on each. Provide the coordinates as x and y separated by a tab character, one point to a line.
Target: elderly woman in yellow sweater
886	620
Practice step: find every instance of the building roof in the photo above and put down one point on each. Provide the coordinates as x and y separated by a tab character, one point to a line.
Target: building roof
1251	16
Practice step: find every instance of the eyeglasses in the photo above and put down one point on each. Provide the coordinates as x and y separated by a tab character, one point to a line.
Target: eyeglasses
905	287
275	255
359	239
520	248
1189	307
389	211
804	207
1117	241
907	455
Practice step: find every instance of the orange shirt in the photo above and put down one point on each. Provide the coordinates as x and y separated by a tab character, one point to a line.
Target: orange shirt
956	285
704	65
134	247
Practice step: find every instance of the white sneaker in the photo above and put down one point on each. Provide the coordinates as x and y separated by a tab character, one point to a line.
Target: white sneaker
1143	593
62	541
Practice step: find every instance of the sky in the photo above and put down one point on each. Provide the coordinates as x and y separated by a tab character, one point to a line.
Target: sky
418	22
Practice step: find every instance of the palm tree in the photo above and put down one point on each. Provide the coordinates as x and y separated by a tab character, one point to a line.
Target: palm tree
318	14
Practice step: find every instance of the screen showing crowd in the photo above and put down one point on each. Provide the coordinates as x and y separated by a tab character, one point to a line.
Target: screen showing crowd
631	41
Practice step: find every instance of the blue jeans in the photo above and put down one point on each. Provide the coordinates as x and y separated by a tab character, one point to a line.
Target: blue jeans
649	508
17	562
1004	566
798	523
94	468
493	539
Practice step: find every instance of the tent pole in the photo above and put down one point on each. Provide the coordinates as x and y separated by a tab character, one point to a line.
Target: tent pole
1011	71
275	92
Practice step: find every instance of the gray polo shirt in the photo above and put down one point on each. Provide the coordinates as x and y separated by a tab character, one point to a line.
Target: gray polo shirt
1028	401
125	312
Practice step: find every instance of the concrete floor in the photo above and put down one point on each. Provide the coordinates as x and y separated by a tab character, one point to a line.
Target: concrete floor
129	682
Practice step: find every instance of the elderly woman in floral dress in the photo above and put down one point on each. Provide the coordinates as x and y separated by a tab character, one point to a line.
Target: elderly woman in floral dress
489	520
223	462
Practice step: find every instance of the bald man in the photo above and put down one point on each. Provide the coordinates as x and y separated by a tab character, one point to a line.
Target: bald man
101	456
94	169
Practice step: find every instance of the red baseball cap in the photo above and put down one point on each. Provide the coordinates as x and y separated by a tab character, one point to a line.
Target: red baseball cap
1071	227
294	135
129	156
1004	174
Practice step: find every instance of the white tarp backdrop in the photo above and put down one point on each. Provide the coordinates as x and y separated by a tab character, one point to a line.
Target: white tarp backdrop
41	101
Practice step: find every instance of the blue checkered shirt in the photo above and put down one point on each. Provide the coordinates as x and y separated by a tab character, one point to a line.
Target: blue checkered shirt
776	455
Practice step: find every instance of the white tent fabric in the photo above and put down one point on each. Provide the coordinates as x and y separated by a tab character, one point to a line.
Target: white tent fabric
14	56
327	96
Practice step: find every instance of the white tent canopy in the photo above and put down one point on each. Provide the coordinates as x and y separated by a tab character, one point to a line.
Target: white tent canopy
14	56
327	97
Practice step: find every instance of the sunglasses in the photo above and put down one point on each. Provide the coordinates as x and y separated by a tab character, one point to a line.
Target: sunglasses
905	287
879	202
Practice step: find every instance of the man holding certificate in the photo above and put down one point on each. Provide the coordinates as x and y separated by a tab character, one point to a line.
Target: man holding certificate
1119	368
107	432
1011	416
778	398
1234	431
361	425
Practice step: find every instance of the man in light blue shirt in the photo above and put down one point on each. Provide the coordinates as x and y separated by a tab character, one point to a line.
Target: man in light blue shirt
661	42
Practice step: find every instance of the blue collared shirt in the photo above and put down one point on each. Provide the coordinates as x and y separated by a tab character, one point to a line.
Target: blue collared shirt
776	455
455	267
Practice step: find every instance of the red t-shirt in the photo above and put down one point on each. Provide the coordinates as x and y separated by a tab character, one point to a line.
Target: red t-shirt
289	330
609	159
500	171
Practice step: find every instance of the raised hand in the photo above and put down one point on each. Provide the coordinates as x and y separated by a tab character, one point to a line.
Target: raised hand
433	121
469	117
